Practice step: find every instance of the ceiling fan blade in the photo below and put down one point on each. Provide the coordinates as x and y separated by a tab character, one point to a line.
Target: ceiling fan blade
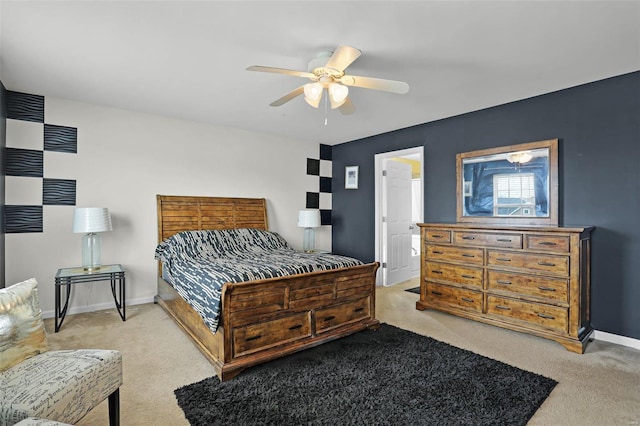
375	83
286	98
281	71
343	57
347	107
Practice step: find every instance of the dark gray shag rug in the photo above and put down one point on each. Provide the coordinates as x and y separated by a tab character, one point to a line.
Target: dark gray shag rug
385	377
414	290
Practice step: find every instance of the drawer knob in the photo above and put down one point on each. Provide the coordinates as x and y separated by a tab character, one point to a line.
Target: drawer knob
358	310
468	255
437	293
502	307
546	288
504	282
546	264
504	240
437	252
466	299
468	238
548	243
503	259
293	327
468	276
248	339
436	272
436	236
545	316
329	318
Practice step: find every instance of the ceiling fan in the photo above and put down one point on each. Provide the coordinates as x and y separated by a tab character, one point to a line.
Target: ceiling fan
327	72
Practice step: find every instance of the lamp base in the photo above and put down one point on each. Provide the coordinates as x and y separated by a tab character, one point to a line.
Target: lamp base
309	240
91	252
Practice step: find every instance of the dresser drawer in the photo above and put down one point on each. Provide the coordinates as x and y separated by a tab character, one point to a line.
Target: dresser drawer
471	256
255	337
454	273
555	289
556	265
487	239
335	316
453	297
536	314
547	243
438	236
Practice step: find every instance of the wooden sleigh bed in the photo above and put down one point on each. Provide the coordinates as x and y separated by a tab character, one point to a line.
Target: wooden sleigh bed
264	319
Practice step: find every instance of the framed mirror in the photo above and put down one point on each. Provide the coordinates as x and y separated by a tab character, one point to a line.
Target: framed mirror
515	184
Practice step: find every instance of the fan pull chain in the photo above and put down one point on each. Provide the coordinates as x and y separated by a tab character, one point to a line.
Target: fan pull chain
326	108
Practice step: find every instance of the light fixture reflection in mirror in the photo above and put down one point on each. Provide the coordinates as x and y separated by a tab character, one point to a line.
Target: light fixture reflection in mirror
509	184
519	157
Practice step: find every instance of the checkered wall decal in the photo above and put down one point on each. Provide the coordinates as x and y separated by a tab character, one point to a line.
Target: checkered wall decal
29	163
24	162
321	199
23	106
19	219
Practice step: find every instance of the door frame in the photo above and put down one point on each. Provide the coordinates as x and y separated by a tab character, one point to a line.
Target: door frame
379	160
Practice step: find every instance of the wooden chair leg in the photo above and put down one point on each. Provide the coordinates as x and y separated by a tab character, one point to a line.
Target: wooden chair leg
114	408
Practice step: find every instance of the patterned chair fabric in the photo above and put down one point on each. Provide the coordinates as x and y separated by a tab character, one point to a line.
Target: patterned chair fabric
61	385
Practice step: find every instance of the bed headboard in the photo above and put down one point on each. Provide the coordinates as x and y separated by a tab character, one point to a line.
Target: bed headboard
180	213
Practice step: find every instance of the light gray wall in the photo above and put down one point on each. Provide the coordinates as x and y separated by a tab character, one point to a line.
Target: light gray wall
124	159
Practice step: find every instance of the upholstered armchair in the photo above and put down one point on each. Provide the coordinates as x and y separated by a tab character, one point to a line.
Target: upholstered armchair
35	383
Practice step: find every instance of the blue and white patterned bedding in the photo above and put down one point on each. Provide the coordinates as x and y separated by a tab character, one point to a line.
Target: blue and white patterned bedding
199	263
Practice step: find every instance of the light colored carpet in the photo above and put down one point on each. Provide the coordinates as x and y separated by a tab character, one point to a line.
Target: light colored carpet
600	387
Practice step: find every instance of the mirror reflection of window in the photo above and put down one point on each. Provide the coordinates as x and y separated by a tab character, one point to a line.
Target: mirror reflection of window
515	184
521	177
514	195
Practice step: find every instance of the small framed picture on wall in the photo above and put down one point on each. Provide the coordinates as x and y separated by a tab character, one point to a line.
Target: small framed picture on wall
351	177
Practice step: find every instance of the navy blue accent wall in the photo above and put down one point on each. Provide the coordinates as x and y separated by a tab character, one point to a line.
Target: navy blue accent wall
598	125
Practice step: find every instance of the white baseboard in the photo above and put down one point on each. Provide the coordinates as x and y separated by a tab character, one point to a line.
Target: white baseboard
99	307
614	338
597	335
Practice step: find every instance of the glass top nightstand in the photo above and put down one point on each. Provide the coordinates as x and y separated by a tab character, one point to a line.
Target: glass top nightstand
67	276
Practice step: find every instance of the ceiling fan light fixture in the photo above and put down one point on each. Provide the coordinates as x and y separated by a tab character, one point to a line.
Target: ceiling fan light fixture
313	93
338	93
327	71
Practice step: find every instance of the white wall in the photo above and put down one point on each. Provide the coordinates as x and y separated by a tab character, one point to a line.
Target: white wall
124	159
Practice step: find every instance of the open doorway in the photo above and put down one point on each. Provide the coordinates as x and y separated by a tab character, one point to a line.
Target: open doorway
399	189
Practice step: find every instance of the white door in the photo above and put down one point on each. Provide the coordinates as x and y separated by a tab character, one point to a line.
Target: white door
397	224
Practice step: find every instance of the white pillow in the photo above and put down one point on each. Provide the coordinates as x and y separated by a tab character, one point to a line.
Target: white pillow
22	332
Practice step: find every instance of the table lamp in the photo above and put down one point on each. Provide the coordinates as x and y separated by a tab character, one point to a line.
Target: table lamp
91	220
309	219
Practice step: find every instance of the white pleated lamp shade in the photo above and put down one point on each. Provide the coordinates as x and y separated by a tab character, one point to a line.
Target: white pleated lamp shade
309	218
91	219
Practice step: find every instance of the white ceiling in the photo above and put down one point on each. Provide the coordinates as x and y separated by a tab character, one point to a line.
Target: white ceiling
187	59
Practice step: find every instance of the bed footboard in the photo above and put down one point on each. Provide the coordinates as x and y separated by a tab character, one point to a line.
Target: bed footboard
267	319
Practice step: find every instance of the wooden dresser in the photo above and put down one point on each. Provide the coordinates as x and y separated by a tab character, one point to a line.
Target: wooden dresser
529	279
